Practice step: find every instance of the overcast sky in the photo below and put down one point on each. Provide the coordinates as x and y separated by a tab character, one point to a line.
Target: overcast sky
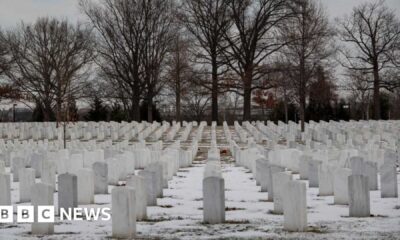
13	11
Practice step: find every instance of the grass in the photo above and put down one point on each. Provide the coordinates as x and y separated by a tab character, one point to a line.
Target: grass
161	219
320	230
165	206
272	212
233	209
231	222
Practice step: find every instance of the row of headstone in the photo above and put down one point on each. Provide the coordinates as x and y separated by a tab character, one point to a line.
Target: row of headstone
199	133
255	132
102	174
147	131
140	191
129	203
173	130
227	132
156	135
186	132
349	184
242	134
78	130
289	197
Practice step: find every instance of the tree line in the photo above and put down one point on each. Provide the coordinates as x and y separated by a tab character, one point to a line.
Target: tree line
134	54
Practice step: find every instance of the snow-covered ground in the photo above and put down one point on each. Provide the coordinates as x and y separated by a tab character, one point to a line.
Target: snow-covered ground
248	215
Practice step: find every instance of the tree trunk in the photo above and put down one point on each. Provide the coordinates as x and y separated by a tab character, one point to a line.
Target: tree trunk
59	109
214	90
150	105
178	91
136	102
302	110
135	108
285	105
178	85
247	96
65	135
366	111
178	106
377	98
286	111
302	94
47	111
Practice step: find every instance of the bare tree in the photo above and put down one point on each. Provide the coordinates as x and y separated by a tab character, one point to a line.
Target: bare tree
180	72
196	103
251	41
159	32
309	39
208	21
281	80
50	62
360	88
133	40
322	96
120	29
286	91
373	32
5	58
7	90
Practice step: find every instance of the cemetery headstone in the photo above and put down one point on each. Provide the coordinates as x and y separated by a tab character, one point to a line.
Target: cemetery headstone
359	204
213	200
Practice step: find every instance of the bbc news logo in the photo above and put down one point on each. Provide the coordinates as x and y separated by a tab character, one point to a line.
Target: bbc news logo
46	214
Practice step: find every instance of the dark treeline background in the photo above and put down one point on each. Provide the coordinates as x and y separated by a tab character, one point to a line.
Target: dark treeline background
212	60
